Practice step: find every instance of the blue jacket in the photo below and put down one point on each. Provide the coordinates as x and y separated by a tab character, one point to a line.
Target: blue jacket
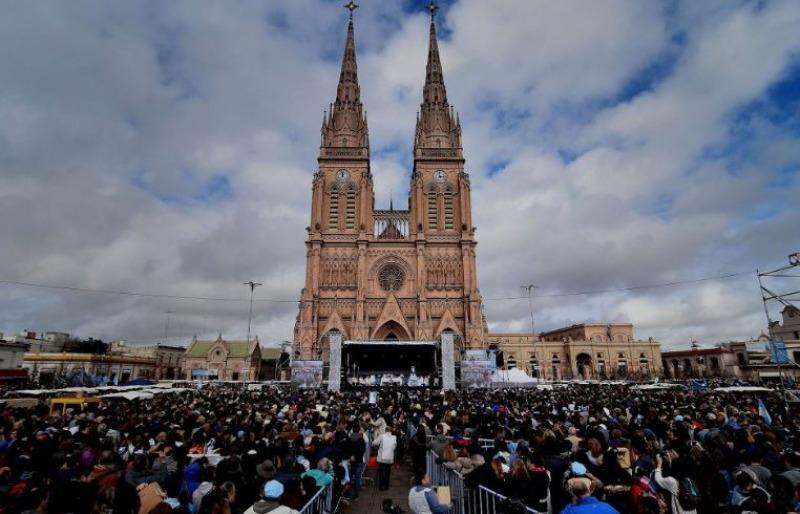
589	505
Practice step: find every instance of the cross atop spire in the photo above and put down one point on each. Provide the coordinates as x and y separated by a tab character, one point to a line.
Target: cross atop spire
351	6
432	8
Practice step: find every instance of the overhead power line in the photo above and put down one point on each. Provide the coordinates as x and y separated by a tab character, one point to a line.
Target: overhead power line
279	300
145	295
624	289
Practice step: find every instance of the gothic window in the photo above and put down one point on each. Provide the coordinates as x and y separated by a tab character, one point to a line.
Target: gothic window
391	277
433	211
334	208
448	210
350	209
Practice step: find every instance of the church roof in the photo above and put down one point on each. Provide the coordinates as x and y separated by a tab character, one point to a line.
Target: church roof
236	349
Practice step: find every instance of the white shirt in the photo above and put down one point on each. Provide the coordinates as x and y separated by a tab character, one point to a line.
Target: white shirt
386	443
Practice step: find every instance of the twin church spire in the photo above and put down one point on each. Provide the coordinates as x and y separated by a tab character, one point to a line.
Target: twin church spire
345	124
438	128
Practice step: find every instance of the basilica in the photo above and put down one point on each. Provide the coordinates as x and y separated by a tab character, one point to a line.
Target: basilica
377	276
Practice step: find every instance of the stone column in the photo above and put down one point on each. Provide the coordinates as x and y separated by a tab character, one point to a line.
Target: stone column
448	362
335	362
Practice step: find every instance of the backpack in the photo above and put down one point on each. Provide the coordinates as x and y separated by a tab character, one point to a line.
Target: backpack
688	494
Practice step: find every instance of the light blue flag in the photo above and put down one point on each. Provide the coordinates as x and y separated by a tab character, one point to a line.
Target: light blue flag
763	412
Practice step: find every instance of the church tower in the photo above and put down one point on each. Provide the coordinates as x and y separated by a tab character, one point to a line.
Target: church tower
381	275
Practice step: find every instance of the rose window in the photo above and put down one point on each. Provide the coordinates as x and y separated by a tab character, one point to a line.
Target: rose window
391	277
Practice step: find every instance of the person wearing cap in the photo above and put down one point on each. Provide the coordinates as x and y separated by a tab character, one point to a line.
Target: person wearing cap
271	501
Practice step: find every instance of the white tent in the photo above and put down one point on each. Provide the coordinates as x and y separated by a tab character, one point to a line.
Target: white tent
743	389
512	376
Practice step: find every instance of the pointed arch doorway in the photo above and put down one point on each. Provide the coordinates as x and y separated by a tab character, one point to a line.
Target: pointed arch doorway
392	331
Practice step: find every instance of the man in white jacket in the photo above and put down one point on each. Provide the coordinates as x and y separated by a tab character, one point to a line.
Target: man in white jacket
387	444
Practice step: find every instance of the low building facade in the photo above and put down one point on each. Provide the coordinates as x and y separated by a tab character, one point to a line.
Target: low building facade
169	359
222	360
586	351
714	362
45	367
12	357
750	360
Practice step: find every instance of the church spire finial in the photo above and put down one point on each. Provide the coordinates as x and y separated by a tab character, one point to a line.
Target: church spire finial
351	6
432	8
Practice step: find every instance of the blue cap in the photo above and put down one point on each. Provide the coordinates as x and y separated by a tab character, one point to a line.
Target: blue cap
273	489
577	469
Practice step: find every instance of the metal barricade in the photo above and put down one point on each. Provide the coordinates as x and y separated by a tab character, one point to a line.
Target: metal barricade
483	442
320	503
465	500
486	501
442	476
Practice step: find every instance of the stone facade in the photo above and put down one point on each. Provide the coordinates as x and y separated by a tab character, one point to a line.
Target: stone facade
789	329
389	274
584	351
716	362
43	367
11	359
750	360
222	360
169	359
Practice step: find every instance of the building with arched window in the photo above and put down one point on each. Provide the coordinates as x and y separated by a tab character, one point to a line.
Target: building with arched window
586	351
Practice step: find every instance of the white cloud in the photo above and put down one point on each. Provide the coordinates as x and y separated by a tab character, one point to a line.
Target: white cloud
115	120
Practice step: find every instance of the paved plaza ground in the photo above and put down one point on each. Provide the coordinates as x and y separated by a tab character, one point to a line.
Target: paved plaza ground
371	500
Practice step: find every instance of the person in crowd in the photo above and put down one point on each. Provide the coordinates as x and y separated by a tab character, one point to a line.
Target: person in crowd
422	499
387	444
639	451
272	501
585	503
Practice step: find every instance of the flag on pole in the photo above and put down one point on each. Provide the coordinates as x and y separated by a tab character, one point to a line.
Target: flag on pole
763	412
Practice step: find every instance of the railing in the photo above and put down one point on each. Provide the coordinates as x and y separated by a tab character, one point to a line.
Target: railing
465	500
486	501
320	503
483	442
440	475
391	224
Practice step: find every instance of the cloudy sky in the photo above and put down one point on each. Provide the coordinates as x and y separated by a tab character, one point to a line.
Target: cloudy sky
169	147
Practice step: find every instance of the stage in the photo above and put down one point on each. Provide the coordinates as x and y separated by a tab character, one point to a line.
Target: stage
380	363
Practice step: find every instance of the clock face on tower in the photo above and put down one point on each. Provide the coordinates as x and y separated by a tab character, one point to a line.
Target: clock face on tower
342	175
439	176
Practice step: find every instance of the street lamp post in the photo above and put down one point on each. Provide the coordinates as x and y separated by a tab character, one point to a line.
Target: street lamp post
253	286
529	289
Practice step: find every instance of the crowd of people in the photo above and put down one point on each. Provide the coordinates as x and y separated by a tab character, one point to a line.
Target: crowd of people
227	449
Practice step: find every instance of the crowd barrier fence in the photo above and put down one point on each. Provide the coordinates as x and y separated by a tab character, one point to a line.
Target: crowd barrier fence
320	503
465	500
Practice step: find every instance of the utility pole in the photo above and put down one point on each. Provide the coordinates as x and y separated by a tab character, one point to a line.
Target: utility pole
253	286
166	326
784	299
529	289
